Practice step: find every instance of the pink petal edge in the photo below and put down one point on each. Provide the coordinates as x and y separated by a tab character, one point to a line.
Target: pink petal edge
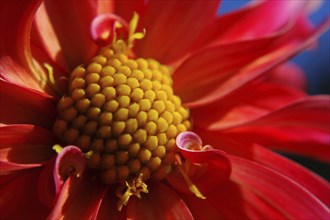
103	28
216	164
70	161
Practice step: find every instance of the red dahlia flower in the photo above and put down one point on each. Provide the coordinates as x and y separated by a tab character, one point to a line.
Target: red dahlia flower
104	106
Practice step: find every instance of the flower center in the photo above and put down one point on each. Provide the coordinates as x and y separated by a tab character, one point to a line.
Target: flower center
124	113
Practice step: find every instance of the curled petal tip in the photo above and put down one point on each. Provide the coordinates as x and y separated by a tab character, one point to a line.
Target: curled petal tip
106	27
208	162
189	140
70	161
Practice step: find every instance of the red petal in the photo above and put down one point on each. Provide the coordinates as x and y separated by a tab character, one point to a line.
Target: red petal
19	198
7	167
11	72
231	201
79	198
125	9
213	32
294	171
5	179
16	19
215	79
290	74
104	7
282	193
163	40
301	128
44	41
245	23
122	8
209	69
70	161
200	208
21	105
46	49
24	146
60	75
71	21
160	203
212	162
46	185
275	14
221	141
107	206
247	104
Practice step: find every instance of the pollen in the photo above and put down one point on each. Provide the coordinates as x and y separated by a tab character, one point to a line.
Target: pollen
124	114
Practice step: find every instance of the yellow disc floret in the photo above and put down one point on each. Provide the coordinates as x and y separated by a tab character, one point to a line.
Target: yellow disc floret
125	113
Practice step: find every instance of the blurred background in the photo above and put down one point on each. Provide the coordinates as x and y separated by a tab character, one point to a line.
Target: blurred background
315	63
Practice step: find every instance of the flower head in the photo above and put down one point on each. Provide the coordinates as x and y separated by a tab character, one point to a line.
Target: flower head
104	112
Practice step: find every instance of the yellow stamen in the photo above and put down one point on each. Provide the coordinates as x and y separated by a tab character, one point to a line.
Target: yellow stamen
118	25
120	45
51	80
88	154
105	35
133	189
57	148
55	85
132	28
118	110
50	73
121	111
192	187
